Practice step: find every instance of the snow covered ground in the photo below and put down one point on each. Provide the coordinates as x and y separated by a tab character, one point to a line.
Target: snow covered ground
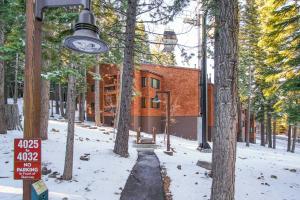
255	167
261	173
99	178
103	176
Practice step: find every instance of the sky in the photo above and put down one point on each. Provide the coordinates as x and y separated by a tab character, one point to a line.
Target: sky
187	35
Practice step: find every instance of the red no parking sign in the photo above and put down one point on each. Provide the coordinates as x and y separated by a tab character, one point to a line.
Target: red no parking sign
27	159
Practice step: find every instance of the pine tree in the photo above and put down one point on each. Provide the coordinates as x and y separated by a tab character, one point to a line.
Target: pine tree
249	59
280	42
133	9
226	63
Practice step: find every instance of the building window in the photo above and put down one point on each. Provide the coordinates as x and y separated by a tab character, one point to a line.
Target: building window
144	82
92	88
155	83
143	102
93	106
154	105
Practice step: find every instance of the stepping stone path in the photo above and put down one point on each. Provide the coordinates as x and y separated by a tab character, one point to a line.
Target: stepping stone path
145	181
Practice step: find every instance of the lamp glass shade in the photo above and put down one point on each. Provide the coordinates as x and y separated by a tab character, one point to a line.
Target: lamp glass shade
156	99
85	44
86	36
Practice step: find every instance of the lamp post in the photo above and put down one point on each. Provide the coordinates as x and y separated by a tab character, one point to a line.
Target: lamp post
84	40
204	144
157	100
202	119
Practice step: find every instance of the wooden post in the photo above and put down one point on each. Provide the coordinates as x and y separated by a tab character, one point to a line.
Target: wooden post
168	121
154	134
138	135
32	76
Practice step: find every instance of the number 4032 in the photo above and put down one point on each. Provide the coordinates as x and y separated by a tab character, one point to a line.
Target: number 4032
27	156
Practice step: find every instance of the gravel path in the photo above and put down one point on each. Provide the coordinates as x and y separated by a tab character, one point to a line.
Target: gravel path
145	181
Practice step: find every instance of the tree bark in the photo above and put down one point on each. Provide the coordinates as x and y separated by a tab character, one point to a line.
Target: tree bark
269	129
127	73
16	80
240	124
81	106
2	83
45	91
97	96
294	139
248	132
76	104
262	127
56	100
82	99
68	168
289	138
226	62
12	117
274	133
247	128
61	101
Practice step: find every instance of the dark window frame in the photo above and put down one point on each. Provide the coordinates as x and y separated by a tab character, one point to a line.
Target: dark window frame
153	85
144	81
143	102
92	88
93	106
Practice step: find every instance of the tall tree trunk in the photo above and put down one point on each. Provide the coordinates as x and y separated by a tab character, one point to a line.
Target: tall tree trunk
61	101
274	133
2	83
56	100
81	107
12	117
240	124
127	73
247	128
294	139
289	138
16	80
97	95
83	98
45	92
248	132
76	104
269	129
45	97
66	105
262	127
68	168
226	62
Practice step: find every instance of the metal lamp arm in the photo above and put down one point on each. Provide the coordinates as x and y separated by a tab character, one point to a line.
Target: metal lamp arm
42	4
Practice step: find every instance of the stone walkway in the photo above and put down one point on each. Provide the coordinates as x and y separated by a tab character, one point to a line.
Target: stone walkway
145	181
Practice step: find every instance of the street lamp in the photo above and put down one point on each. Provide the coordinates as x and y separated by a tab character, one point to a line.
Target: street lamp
170	40
157	100
85	40
86	36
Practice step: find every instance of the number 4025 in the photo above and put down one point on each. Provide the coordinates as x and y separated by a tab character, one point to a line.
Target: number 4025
31	144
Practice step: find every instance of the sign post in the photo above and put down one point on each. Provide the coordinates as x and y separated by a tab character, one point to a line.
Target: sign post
39	191
27	159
